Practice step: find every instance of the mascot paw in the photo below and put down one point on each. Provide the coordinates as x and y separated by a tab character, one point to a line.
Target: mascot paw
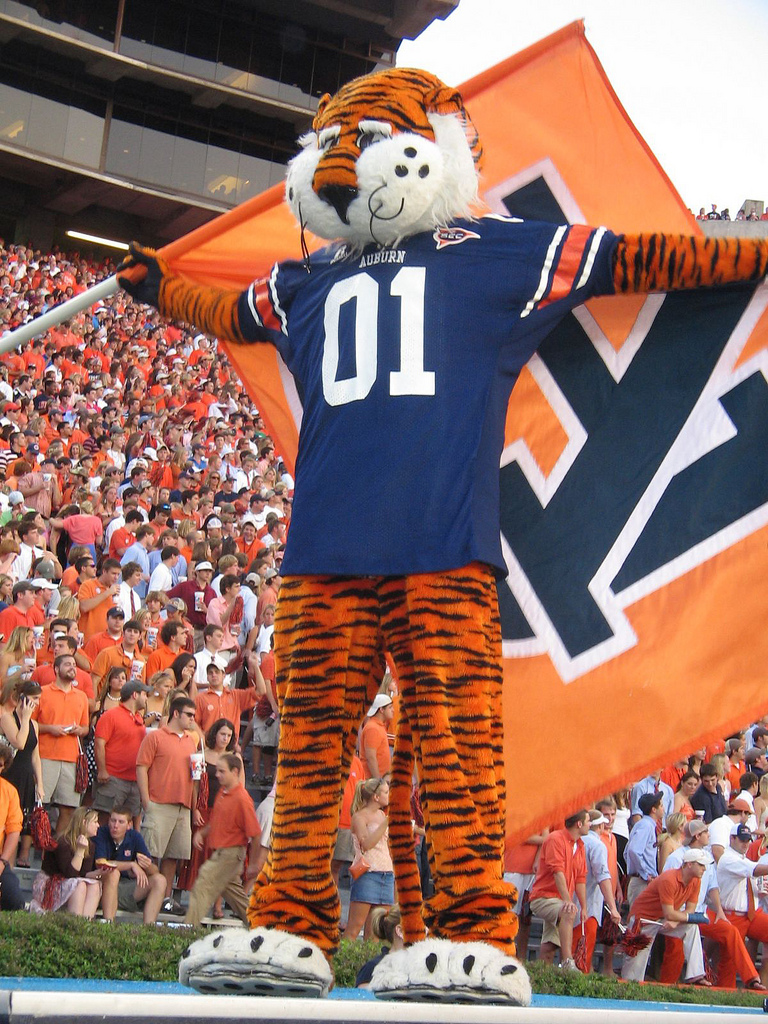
261	962
437	970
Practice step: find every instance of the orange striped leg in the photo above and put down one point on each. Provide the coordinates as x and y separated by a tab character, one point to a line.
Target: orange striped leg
439	639
327	653
401	845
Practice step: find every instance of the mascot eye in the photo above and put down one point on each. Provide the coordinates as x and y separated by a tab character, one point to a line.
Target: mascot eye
328	138
367	138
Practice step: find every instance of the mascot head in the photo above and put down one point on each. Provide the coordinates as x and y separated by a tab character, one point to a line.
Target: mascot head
391	154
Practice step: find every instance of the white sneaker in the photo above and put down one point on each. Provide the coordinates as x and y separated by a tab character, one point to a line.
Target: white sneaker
569	964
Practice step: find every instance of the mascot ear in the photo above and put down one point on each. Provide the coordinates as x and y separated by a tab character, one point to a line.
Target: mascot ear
325	99
444	100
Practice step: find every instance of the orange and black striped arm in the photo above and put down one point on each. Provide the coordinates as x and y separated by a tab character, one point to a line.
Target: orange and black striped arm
148	278
658	262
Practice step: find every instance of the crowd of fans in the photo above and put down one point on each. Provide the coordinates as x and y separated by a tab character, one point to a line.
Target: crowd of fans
682	854
724	214
143	516
143	513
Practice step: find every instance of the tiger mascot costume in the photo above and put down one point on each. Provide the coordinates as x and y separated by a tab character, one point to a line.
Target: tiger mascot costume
405	335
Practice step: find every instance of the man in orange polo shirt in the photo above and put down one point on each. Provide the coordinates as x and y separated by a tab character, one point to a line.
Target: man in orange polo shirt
173	637
668	905
374	740
168	791
45	674
218	701
111	636
96	597
559	892
62	718
230	828
125	653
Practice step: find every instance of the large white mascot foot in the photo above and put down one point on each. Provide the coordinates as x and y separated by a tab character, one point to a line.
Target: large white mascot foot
260	962
437	970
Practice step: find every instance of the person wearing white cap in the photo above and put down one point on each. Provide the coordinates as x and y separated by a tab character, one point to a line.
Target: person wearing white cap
734	957
735	876
196	593
668	906
599	888
374	741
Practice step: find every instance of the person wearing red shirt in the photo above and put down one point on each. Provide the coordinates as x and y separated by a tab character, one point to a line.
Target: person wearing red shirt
119	734
22	612
374	742
124	536
559	892
230	828
344	852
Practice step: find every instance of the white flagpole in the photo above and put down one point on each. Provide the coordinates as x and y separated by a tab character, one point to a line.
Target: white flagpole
58	314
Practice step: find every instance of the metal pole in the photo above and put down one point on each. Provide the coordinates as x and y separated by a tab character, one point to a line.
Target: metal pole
58	314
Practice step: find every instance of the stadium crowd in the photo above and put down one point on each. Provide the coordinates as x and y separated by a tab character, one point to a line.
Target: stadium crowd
725	214
143	517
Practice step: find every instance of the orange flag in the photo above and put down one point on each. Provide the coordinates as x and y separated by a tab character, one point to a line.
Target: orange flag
634	493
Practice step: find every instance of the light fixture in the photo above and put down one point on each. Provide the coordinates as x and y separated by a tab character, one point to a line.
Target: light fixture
98	240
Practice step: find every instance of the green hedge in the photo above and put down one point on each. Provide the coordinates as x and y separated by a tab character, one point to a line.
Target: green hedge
63	946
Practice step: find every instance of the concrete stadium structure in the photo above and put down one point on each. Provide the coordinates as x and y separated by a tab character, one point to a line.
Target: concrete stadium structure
132	118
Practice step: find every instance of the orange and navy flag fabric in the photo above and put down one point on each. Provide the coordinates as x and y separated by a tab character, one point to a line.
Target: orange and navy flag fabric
634	490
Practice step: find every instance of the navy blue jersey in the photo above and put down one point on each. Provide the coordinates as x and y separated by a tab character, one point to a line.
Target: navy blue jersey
107	849
404	359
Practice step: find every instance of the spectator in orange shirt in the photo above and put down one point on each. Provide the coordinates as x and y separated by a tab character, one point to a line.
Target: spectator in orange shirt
674	773
97	596
62	718
45	674
734	748
172	640
219	701
22	612
344	852
11	820
559	893
168	789
110	637
668	905
374	741
231	829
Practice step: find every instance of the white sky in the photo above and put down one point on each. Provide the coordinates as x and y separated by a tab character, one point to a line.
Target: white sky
692	75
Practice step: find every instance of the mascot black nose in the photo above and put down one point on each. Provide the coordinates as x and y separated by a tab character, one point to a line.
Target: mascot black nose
339	197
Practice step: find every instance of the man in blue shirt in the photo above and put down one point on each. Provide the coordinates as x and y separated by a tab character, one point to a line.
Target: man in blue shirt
138	552
134	882
651	784
640	851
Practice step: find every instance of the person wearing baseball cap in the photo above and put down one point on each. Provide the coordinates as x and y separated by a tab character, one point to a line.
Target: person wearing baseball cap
736	877
119	734
196	593
668	906
599	887
720	829
734	958
374	739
